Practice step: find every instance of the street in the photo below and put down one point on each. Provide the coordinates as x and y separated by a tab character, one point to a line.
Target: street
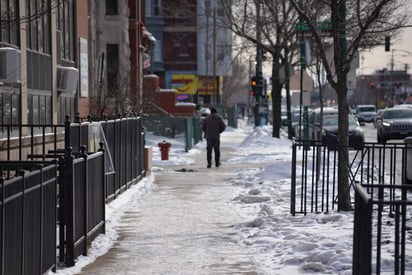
370	132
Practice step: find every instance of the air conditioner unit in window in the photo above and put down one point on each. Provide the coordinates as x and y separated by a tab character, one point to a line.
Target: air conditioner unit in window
10	65
67	79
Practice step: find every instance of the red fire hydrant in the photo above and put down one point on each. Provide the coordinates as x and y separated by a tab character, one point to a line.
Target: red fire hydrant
164	149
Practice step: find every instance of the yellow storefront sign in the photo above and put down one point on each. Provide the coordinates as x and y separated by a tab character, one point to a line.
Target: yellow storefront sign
190	84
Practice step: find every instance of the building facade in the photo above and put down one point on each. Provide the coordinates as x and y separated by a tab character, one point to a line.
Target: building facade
384	88
38	59
116	30
193	50
68	57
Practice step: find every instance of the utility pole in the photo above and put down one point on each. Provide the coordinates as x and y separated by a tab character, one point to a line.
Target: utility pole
215	84
258	92
404	83
206	81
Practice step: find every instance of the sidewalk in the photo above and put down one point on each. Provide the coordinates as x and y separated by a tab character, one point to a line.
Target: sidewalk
185	226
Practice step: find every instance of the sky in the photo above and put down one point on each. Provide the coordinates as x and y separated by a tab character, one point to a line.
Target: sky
378	59
279	242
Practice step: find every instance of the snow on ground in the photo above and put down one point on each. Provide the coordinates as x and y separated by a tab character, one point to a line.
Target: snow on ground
281	243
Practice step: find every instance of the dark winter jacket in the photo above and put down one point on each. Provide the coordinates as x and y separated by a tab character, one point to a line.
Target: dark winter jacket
213	125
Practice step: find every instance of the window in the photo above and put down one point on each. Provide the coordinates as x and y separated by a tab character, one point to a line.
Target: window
153	8
207	7
112	65
220	53
65	25
156	8
111	7
9	31
220	9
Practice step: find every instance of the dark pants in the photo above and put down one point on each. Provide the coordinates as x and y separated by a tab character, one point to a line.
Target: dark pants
213	144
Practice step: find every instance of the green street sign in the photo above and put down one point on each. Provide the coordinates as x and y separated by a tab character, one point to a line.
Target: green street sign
302	26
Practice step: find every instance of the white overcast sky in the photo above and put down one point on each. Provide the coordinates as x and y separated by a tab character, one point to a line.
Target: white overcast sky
379	59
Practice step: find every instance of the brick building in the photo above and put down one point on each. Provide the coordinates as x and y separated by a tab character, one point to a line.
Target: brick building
192	53
69	57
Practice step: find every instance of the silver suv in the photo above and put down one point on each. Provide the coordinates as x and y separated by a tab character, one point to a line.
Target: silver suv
394	123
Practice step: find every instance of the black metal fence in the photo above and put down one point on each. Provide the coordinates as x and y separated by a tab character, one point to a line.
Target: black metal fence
82	203
315	172
124	140
382	201
189	127
382	222
28	218
34	193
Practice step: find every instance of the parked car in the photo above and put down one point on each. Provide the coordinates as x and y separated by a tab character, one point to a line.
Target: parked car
394	123
314	120
297	123
330	132
365	113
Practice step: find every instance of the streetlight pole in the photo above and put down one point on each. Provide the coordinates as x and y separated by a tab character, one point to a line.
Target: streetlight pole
258	73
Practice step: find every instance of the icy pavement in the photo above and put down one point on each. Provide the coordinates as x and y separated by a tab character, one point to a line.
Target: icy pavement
235	219
186	225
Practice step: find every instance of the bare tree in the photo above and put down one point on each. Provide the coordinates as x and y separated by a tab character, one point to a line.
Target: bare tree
363	23
112	100
236	86
276	26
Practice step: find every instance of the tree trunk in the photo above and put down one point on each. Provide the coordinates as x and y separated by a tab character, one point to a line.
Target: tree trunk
276	98
343	157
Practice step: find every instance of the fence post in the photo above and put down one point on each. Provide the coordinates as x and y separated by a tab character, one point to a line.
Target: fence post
188	134
69	207
408	161
83	154
61	210
362	233
142	171
293	181
67	132
101	143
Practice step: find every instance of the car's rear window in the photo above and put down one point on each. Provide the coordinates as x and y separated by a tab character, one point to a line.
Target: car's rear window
366	109
398	113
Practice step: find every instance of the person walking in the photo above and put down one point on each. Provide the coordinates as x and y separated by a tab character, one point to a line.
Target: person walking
213	125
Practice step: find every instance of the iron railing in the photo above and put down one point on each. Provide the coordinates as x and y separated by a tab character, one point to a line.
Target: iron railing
188	127
314	181
378	182
28	218
31	198
382	223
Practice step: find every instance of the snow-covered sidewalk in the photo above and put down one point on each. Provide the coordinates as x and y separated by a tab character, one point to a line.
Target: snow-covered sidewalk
241	207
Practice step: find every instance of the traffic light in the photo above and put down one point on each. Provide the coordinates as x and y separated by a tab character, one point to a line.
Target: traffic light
257	84
387	43
253	84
